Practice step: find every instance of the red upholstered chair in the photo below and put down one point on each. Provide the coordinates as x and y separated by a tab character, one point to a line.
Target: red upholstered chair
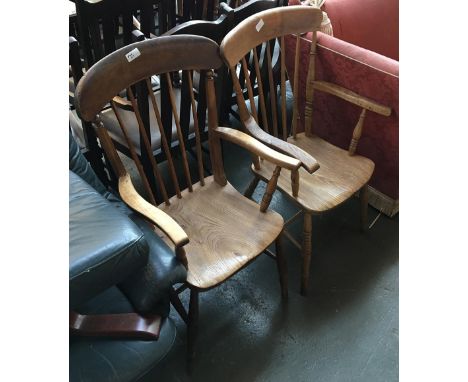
363	57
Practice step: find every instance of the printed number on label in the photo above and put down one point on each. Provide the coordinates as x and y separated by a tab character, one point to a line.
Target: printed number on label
132	54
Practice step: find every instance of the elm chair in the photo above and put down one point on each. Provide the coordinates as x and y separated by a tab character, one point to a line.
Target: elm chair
328	175
214	230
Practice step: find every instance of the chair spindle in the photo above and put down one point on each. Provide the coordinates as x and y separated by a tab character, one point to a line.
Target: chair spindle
179	133
134	155
357	133
165	145
249	88
274	111
261	96
270	189
201	172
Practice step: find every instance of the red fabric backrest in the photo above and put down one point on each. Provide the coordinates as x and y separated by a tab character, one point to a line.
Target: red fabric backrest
370	24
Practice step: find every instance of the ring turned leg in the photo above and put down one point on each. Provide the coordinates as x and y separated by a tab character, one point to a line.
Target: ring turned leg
306	251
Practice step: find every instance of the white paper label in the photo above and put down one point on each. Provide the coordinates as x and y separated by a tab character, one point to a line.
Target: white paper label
259	25
132	54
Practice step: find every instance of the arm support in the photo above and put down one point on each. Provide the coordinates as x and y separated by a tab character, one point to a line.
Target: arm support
352	97
246	141
307	160
162	220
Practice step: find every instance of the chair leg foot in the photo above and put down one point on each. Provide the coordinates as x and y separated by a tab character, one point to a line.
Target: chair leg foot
282	268
306	252
192	329
364	198
251	187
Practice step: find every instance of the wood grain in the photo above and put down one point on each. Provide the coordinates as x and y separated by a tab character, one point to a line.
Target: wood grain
162	220
309	163
227	231
102	82
352	97
277	22
337	179
257	148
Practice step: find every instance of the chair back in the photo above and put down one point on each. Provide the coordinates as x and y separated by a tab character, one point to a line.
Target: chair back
132	67
262	37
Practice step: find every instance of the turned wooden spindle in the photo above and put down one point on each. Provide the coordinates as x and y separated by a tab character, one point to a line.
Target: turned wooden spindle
213	139
357	133
270	189
108	147
295	182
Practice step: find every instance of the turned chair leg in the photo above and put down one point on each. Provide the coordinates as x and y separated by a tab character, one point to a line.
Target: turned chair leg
306	251
364	198
282	268
251	187
192	328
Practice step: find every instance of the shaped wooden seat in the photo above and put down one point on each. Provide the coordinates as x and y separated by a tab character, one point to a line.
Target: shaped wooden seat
228	231
214	230
339	177
328	175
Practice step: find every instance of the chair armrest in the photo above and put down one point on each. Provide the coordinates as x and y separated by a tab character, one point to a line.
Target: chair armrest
307	160
162	220
253	145
351	97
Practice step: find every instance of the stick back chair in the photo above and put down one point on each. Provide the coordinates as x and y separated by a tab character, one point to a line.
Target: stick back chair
214	230
328	175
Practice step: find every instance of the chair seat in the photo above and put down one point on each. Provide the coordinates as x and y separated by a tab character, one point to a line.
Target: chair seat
226	231
338	178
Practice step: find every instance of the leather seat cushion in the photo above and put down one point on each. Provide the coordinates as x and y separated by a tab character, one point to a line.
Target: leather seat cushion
109	360
104	245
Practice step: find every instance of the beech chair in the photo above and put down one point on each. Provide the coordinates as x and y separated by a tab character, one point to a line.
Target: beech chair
328	175
214	230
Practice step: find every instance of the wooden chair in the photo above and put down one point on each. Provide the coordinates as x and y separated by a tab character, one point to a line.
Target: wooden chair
214	229
328	175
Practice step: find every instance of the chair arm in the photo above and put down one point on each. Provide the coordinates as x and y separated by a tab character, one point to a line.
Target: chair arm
307	160
253	145
352	97
162	220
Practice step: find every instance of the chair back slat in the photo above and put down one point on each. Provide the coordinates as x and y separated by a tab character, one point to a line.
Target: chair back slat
134	154
274	112
284	126
261	95
164	143
201	172
248	83
180	135
147	145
